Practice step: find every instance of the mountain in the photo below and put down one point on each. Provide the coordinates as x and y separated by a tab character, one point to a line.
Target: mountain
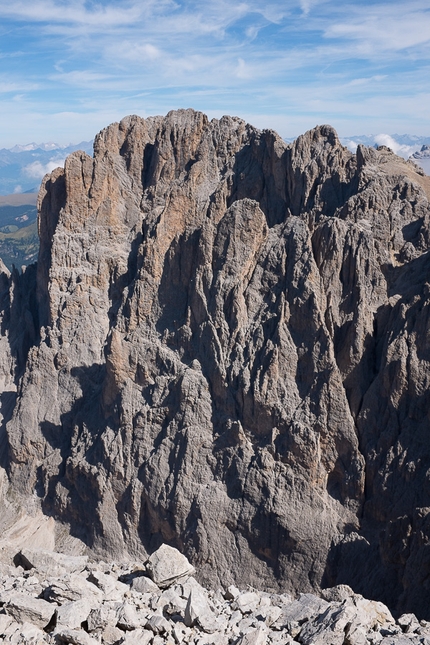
404	145
370	140
22	167
422	158
19	241
224	347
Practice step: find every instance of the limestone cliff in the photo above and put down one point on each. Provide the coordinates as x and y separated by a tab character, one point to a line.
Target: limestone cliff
226	347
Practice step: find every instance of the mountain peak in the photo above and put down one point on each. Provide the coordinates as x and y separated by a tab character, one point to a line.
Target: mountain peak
223	347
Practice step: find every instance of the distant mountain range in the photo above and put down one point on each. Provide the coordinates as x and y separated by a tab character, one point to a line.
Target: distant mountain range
23	167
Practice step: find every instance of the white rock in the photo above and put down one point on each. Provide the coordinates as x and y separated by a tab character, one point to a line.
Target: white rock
181	633
409	623
198	611
171	602
373	613
24	608
111	635
73	613
105	614
160	640
73	587
338	593
31	634
254	637
232	593
138	637
5	621
247	602
74	636
167	566
158	624
143	584
50	563
272	614
112	588
127	617
328	627
305	608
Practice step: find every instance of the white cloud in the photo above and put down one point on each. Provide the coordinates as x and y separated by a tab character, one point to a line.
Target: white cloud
12	86
383	27
401	150
243	70
74	12
351	145
37	170
17	189
83	78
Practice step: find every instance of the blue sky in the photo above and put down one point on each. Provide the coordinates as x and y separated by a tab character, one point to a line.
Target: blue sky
70	67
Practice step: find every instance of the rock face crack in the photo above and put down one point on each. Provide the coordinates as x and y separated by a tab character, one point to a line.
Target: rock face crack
228	352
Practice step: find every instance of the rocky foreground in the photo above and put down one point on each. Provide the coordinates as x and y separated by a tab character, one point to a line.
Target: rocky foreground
53	598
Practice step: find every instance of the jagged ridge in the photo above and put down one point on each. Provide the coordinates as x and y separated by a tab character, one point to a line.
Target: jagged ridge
229	354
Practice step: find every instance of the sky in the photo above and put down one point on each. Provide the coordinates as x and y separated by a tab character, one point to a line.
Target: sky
68	68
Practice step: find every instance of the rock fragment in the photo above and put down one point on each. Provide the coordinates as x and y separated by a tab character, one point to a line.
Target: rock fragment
74	637
143	584
167	566
50	563
198	611
24	608
73	613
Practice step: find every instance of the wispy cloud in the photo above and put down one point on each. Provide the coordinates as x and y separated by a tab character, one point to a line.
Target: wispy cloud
383	26
294	63
74	12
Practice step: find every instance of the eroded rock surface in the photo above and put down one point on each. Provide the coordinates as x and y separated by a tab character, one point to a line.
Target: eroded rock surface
225	348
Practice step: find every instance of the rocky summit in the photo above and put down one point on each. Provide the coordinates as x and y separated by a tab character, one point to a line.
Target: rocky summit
225	347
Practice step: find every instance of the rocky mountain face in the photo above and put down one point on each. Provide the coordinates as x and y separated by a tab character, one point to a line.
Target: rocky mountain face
225	347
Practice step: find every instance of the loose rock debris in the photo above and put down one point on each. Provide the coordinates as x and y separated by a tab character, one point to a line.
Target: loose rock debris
52	598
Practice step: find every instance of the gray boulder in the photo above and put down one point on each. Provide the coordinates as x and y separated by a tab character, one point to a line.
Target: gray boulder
50	563
168	566
24	608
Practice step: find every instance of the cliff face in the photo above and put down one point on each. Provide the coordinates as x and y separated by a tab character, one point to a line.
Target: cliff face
226	348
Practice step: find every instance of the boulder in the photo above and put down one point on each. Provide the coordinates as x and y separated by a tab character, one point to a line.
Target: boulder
127	617
74	637
73	613
72	587
158	624
254	637
198	612
50	563
111	587
24	608
167	566
138	637
143	584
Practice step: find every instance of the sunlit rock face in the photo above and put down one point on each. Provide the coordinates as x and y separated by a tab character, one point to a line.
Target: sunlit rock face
225	347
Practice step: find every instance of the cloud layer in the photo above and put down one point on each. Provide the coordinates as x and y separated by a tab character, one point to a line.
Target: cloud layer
38	170
67	68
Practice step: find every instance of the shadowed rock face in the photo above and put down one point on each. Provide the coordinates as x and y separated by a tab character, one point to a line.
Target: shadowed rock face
229	353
